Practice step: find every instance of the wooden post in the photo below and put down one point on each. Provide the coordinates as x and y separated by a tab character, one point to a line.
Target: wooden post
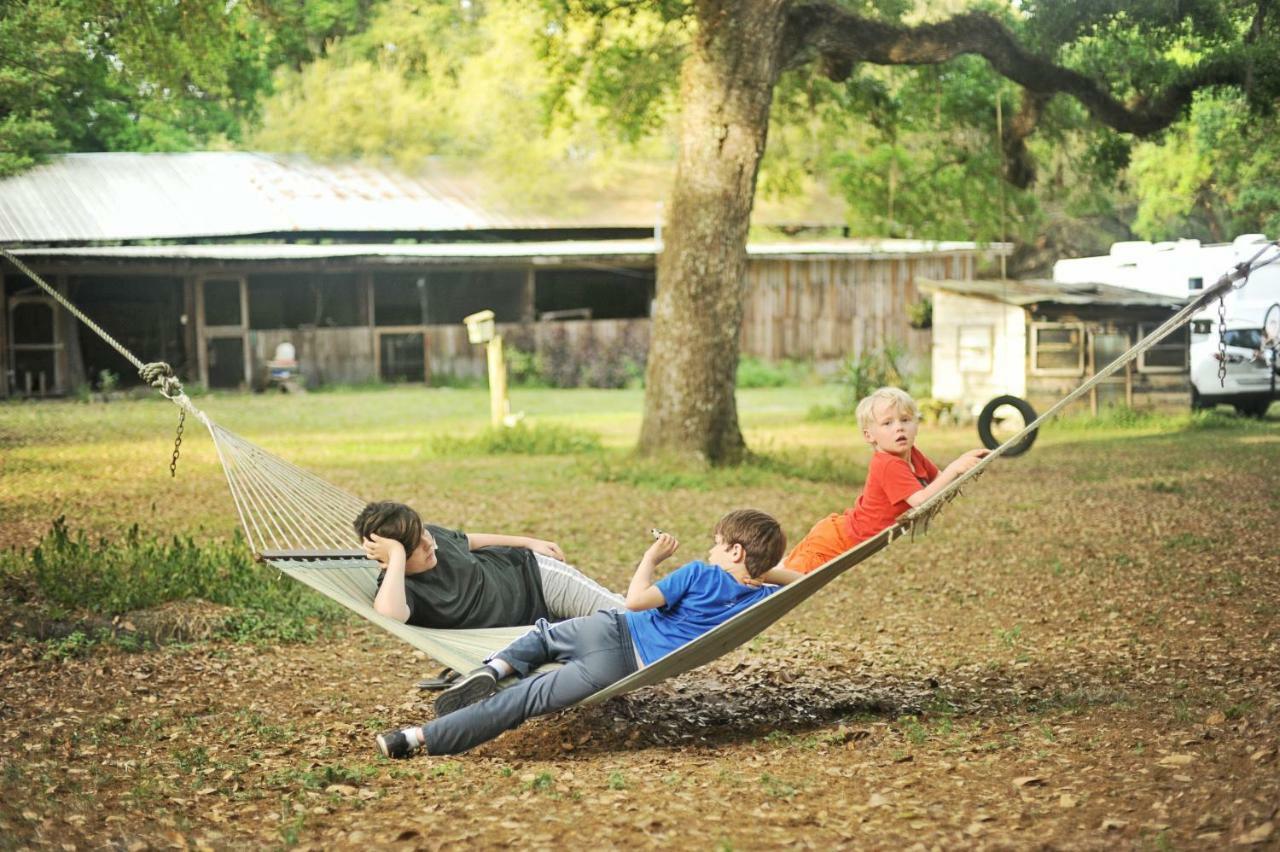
244	332
497	381
4	340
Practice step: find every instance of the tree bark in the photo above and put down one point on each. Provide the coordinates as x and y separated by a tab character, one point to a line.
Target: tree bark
726	89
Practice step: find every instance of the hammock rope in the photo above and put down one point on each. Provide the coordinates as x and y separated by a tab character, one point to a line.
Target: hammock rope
301	524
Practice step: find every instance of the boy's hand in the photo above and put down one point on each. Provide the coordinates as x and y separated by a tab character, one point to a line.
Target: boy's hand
546	548
968	461
662	547
381	549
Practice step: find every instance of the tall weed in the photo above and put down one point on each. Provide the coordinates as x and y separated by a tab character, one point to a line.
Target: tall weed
108	578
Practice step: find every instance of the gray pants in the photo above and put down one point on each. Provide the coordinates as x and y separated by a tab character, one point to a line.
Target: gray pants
596	652
571	594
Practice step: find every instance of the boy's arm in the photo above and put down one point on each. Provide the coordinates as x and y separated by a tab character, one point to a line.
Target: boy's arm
953	471
390	600
779	576
642	594
475	541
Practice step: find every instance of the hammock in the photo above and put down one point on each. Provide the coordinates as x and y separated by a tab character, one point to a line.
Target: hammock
301	524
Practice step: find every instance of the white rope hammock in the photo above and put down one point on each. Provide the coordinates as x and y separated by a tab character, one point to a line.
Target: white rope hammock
301	524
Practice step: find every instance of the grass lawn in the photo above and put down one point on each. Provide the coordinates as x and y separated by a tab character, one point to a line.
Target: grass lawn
1081	653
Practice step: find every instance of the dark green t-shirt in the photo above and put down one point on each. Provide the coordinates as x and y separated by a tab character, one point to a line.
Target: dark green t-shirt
490	587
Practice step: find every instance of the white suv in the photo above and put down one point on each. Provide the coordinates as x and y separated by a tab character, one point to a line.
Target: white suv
1252	380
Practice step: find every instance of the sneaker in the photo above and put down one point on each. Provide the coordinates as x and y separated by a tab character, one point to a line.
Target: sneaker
398	743
476	686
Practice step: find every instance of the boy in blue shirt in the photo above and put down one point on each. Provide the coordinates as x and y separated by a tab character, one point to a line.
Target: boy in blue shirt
603	648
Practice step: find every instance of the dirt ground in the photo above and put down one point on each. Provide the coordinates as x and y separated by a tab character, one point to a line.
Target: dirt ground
1082	654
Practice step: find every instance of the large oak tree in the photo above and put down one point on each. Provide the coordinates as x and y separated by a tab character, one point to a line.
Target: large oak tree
1133	66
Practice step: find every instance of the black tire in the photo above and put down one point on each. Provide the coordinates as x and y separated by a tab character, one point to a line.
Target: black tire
1197	401
987	417
1254	408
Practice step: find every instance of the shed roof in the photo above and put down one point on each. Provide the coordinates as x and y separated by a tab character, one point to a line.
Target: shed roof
1023	293
640	250
116	197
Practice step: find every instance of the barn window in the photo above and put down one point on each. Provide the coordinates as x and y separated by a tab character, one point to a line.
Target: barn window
1057	348
1167	356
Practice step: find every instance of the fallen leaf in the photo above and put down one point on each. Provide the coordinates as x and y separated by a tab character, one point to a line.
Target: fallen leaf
1112	824
1217	717
1176	760
1029	781
1066	801
341	789
1257	835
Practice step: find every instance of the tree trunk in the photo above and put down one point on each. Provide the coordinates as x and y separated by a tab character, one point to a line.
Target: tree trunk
726	88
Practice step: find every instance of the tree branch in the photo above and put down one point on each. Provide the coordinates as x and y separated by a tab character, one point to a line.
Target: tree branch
843	39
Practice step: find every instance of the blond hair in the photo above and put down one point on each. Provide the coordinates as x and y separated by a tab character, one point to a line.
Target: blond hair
901	400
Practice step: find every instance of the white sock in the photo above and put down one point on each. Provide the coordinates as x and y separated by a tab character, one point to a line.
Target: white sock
416	735
501	666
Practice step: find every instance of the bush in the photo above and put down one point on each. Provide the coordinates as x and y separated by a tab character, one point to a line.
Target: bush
559	362
757	373
110	578
545	439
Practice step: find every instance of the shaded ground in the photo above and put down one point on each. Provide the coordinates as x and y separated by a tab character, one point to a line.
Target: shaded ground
1082	654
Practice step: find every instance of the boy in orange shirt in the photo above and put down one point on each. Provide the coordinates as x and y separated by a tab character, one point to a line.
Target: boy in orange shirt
899	478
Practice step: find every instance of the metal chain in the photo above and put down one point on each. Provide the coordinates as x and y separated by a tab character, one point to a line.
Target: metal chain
1222	341
177	443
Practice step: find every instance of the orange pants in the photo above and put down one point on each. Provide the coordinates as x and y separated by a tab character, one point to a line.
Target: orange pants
828	539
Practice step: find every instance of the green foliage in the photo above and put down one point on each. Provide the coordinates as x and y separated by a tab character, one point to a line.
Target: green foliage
542	439
111	578
132	75
1211	176
757	373
555	360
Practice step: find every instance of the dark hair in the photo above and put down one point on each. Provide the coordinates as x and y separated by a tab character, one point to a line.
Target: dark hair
391	520
759	534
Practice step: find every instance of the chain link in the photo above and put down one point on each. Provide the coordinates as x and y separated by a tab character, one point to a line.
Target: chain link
177	443
1222	341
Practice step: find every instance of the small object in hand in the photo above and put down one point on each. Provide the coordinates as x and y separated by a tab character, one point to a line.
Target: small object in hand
656	533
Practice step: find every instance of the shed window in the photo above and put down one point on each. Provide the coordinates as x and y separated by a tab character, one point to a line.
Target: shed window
1167	356
974	348
1057	348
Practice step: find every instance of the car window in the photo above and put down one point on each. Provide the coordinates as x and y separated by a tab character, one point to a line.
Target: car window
1249	338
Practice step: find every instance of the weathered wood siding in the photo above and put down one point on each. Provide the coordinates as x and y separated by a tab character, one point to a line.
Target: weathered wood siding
1143	391
325	355
450	352
827	309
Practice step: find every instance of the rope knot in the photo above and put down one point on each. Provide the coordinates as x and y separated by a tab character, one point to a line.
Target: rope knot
160	376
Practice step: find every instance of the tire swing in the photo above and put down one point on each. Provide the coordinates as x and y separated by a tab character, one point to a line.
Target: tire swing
987	419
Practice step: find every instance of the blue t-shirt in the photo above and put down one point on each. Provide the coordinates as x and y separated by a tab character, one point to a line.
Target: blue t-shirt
698	597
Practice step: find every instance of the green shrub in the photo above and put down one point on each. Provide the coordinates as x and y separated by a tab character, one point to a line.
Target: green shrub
108	578
544	439
757	373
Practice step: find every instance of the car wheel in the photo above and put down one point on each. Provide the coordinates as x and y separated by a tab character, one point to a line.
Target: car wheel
1255	408
987	420
1197	401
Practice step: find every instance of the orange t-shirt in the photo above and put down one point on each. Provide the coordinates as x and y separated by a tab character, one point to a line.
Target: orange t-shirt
890	481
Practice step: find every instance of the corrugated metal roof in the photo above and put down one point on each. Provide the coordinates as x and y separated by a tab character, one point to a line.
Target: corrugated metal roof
1022	293
115	197
126	196
486	250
